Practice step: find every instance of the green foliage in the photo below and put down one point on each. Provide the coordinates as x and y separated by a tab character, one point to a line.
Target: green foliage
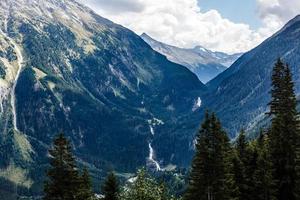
239	162
62	176
85	186
146	188
262	176
64	181
284	133
111	188
211	175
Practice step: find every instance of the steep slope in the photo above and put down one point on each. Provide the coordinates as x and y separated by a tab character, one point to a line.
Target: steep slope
204	63
64	68
241	93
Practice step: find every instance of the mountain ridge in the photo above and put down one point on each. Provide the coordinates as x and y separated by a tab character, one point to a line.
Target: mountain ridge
244	107
204	63
96	81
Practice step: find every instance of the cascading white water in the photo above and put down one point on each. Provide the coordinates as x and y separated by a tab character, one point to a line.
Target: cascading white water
15	81
13	98
152	130
151	157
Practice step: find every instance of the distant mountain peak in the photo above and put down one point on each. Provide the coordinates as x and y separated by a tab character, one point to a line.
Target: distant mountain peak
201	48
204	63
145	35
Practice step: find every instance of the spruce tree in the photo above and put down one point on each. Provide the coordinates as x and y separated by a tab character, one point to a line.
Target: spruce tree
85	187
110	188
263	178
211	176
63	179
284	133
251	167
197	187
242	147
240	163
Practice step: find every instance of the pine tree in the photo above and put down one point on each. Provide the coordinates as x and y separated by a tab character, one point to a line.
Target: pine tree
211	176
110	188
240	162
63	176
251	167
242	147
85	187
284	133
263	178
297	169
197	188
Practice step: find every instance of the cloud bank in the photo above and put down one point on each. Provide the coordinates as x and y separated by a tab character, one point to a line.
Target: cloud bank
275	13
184	24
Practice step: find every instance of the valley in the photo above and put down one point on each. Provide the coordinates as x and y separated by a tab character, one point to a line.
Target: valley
124	101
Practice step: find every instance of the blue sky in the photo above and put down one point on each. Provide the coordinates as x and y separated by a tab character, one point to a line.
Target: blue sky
238	11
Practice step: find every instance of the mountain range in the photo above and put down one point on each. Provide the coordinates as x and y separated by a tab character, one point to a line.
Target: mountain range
205	63
65	69
123	102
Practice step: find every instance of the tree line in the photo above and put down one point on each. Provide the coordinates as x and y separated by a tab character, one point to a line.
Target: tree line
66	182
264	169
267	168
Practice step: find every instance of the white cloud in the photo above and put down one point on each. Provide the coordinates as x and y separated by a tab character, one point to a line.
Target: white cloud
275	13
182	23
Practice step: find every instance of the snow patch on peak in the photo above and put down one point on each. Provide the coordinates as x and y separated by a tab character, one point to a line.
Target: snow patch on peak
200	48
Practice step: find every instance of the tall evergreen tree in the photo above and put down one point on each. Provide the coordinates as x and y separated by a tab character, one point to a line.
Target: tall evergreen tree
251	167
262	177
110	188
211	176
240	162
63	179
242	147
284	133
85	187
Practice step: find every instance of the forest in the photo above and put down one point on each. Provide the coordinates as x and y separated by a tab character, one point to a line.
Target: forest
267	168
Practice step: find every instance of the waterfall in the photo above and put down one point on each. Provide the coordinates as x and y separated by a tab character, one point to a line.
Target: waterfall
151	157
12	93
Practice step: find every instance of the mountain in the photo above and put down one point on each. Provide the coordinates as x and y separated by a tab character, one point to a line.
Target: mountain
65	69
204	63
240	94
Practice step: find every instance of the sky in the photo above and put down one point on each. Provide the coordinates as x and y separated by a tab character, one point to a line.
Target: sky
230	26
243	11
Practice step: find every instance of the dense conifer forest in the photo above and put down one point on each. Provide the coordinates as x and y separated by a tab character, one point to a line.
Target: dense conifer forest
267	168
